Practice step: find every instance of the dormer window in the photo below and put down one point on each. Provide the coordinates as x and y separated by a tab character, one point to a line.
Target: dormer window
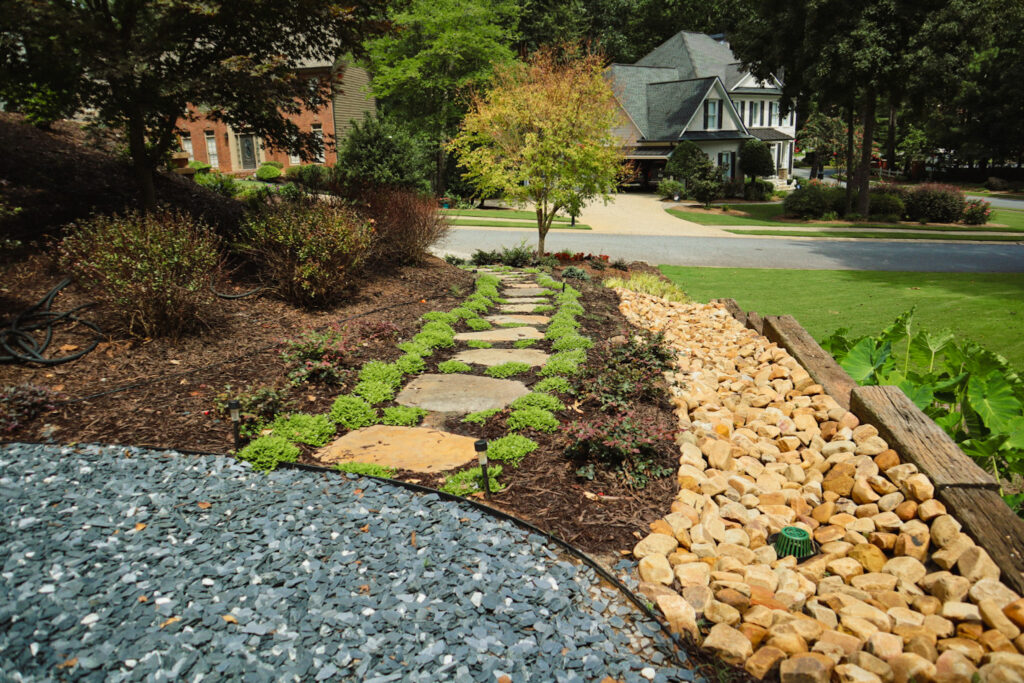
711	114
773	114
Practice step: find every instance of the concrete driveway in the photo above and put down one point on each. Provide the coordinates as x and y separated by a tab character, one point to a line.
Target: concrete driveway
642	214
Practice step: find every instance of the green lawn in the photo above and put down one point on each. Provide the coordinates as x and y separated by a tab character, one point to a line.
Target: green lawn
873	235
498	213
770	215
513	224
985	307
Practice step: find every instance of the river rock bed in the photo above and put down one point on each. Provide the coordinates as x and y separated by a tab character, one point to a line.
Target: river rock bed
897	592
125	564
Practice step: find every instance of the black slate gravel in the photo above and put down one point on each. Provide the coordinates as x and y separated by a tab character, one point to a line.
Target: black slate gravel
123	564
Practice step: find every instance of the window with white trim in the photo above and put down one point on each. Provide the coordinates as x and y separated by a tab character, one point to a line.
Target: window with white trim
754	107
318	133
712	114
773	114
211	149
186	145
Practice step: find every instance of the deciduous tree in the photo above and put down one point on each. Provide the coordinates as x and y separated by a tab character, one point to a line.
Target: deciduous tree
140	62
542	135
756	159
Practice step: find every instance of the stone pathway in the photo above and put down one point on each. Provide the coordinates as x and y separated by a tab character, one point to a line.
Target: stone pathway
897	591
424	449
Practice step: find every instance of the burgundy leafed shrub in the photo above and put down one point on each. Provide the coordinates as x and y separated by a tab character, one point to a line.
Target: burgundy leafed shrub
151	269
21	403
307	250
406	224
935	203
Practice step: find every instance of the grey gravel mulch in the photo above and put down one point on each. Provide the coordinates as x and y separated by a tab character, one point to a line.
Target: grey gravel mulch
123	564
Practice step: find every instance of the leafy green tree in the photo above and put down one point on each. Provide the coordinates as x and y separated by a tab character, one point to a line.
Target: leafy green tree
382	151
140	62
706	185
542	135
441	51
686	161
824	135
756	159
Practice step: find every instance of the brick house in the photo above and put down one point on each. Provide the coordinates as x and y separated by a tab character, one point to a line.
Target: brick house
238	152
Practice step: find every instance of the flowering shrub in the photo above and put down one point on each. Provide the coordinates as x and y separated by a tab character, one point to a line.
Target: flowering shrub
307	250
977	212
152	269
935	203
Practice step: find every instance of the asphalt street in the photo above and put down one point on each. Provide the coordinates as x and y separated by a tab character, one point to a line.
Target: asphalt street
755	252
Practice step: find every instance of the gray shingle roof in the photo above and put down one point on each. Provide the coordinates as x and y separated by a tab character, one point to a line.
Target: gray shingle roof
695	55
671	105
697	135
769	134
629	83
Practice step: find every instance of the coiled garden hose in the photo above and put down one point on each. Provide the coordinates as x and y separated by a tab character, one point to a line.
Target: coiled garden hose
19	344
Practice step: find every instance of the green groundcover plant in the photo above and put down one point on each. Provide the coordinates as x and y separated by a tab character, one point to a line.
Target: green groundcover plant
971	392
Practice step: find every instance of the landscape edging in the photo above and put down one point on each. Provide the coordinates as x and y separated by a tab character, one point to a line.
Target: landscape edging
967	490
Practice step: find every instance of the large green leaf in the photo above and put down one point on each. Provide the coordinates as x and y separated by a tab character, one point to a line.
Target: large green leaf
864	359
925	348
899	328
920	394
991	396
1015	433
950	422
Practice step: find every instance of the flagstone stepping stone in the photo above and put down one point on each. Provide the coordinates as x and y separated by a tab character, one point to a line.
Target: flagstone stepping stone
501	334
527	299
522	291
460	393
517	308
491	357
419	449
522	285
527	319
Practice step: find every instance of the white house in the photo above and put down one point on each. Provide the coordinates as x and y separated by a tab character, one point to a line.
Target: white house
692	88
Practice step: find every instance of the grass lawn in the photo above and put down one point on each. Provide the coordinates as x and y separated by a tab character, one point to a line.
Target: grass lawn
769	215
498	213
874	235
985	307
513	224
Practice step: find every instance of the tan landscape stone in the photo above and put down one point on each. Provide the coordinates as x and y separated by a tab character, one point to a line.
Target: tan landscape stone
420	449
655	544
975	564
953	667
729	644
851	673
654	568
870	557
764	661
990	589
680	614
809	667
909	667
885	646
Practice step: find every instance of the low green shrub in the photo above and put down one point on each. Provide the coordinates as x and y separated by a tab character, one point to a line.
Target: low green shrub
416	348
257	405
538	399
479	344
411	364
537	419
151	269
268	172
671	189
449	367
648	283
276	164
313	430
886	204
320	356
433	340
378	371
524	343
353	412
267	452
935	203
471	481
375	392
307	251
403	416
481	416
807	202
516	257
758	190
367	469
559	366
199	166
313	176
511	449
470	309
478	324
575	273
557	384
976	212
440	316
542	308
507	369
222	184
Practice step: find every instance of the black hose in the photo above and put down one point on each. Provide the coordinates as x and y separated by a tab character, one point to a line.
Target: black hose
21	346
237	296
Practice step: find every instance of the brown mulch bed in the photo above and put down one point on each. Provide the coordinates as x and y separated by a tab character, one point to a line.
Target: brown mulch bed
174	382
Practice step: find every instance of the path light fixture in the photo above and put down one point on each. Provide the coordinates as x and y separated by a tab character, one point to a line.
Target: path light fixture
236	421
481	454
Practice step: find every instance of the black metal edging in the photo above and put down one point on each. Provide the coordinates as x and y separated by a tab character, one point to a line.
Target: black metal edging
426	490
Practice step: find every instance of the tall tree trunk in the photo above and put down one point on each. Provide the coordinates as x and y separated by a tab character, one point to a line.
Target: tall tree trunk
849	160
864	180
140	160
440	167
542	231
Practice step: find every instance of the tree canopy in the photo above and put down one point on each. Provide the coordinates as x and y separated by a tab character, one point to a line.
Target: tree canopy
756	159
140	62
542	135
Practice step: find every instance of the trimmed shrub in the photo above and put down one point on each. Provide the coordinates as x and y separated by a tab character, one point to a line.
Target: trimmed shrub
314	430
306	250
450	367
686	161
977	212
994	184
267	452
406	224
936	203
706	185
379	371
471	481
575	273
311	176
557	384
374	392
807	202
479	344
671	189
199	166
756	159
383	151
478	324
352	412
152	269
411	364
481	416
758	190
511	449
648	283
507	369
886	204
538	399
268	173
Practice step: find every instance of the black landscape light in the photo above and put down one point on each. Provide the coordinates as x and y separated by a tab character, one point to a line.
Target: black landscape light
481	454
236	421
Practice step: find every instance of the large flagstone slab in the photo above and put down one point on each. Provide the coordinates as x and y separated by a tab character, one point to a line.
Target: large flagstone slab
515	300
523	319
460	393
491	357
522	291
517	308
501	334
419	449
